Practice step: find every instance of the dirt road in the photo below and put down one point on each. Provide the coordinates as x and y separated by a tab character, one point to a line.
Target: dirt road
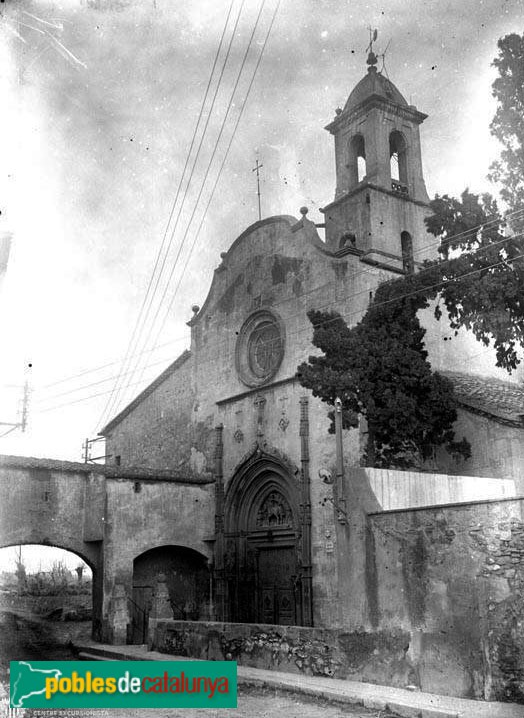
26	637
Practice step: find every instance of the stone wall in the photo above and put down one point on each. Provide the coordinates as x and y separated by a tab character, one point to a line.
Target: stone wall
372	657
143	515
108	519
159	431
496	449
453	578
395	489
279	265
438	591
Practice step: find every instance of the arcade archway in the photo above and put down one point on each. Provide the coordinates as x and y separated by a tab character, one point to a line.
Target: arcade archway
187	578
51	582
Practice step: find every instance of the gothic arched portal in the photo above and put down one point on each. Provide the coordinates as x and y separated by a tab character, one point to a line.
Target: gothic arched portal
265	569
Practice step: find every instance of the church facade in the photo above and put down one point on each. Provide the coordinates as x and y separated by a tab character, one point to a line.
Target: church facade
231	409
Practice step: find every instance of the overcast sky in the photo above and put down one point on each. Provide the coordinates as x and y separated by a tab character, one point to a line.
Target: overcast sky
102	98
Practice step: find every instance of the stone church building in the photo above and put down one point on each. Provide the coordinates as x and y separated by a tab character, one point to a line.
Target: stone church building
286	532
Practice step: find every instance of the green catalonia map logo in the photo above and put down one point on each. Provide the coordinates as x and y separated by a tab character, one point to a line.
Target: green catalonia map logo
123	684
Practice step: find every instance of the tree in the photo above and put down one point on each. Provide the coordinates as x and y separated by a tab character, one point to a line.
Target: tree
379	368
380	371
479	278
508	123
20	571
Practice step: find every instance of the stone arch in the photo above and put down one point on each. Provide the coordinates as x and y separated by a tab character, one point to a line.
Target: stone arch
256	476
187	576
89	557
198	547
357	160
398	152
262	554
93	559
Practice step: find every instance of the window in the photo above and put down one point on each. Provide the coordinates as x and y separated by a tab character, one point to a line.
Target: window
398	162
260	347
357	160
264	347
407	252
118	460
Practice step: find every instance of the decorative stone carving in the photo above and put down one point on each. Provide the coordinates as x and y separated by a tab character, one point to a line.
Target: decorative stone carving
263	449
283	423
260	347
274	512
238	436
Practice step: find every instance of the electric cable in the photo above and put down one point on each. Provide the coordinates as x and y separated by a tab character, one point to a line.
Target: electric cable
195	207
280	302
347	315
148	293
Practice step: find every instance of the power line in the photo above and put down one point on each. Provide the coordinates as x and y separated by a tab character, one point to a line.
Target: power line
352	296
176	340
166	360
280	302
346	315
173	231
438	242
77	401
206	174
141	318
241	112
200	226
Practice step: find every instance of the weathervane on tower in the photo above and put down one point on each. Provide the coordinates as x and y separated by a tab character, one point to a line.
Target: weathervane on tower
372	58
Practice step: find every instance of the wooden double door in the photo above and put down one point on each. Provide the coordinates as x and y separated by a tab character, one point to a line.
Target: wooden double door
277	586
268	590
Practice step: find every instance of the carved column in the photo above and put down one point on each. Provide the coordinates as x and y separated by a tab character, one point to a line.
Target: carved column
219	569
305	515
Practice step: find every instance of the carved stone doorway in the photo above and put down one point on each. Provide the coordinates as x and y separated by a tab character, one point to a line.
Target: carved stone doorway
262	566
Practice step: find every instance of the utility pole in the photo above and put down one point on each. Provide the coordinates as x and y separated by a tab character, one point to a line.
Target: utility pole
257	169
24	412
25	406
86	449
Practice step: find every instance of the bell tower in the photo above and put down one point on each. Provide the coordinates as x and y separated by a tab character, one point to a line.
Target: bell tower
380	198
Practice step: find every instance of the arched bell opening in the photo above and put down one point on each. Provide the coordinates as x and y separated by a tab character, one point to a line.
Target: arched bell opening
187	578
398	161
357	160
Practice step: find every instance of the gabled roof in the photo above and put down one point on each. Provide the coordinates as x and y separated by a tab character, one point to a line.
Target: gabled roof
495	398
146	392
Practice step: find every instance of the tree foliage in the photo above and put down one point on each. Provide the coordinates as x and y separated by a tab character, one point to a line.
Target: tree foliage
479	277
508	123
379	369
